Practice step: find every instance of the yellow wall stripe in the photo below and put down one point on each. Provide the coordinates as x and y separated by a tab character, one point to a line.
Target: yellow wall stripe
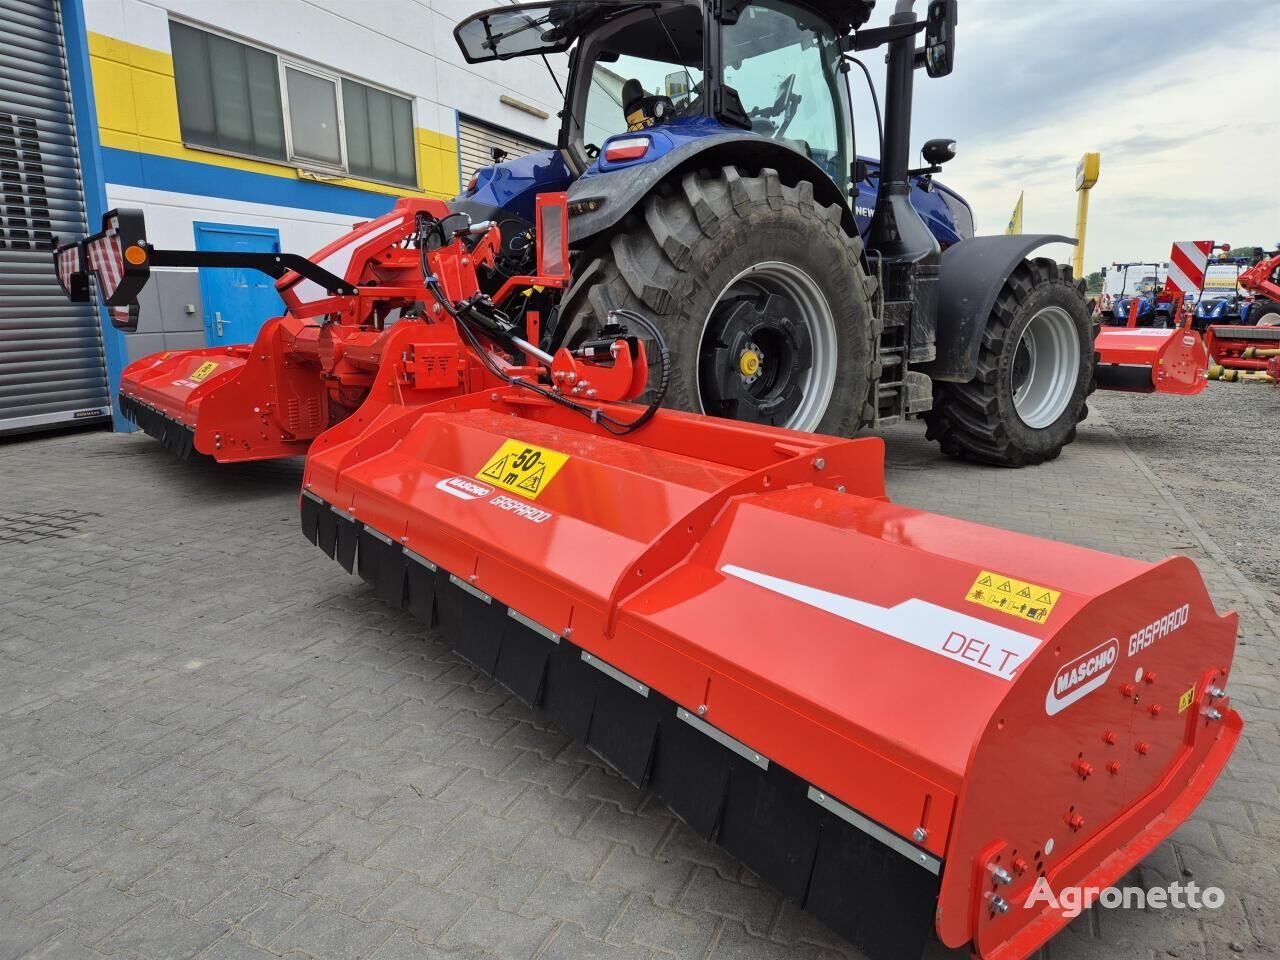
138	111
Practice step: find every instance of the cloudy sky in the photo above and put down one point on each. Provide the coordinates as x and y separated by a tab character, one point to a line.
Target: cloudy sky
1178	96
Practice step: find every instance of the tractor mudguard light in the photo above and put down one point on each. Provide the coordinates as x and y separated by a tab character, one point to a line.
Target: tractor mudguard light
669	599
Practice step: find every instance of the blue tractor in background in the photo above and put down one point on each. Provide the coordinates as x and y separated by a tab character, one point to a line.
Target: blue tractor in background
707	148
1217	310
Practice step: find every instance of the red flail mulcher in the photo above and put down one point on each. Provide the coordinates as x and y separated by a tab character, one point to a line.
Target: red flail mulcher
900	720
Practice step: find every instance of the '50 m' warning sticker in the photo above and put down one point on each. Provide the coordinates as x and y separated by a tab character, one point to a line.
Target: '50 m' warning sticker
203	371
1014	597
522	468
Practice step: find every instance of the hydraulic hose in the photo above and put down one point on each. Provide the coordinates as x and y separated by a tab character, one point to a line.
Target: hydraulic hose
495	327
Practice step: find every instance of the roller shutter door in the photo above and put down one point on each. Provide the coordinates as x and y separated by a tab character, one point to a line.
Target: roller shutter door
51	363
476	141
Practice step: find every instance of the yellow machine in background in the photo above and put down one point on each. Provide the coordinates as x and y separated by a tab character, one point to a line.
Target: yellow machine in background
1086	177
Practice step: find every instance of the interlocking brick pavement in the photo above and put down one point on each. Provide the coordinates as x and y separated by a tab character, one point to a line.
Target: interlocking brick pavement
215	744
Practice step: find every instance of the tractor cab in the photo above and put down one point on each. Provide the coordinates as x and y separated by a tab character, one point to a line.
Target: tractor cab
707	151
646	77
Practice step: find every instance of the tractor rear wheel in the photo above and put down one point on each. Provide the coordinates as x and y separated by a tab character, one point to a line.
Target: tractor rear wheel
763	298
1035	372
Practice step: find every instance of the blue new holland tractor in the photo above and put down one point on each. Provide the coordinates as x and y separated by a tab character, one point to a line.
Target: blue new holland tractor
707	148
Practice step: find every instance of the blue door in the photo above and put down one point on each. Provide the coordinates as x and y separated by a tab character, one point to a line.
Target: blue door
237	302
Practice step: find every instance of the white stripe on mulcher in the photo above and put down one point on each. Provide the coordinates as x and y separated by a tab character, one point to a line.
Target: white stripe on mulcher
975	643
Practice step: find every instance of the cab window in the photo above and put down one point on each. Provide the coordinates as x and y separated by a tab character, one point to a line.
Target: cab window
645	70
611	94
783	63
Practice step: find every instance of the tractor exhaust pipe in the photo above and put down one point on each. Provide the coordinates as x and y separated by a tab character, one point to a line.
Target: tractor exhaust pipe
897	233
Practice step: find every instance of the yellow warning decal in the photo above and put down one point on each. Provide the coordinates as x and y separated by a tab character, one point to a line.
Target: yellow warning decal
203	371
1185	701
1014	597
522	468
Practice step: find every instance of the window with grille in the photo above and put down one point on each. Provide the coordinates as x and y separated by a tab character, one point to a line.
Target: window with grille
240	99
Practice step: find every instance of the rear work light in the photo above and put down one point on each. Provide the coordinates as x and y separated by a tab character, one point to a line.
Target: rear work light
628	148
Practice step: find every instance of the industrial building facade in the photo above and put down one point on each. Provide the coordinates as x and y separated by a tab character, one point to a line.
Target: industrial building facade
233	126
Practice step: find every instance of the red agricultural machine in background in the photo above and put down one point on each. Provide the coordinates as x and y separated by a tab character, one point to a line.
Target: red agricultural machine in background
320	362
1261	283
1158	359
1251	350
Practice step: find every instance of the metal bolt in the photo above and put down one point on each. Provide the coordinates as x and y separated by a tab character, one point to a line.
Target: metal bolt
1110	737
1216	692
404	539
572	377
1142	747
1155	709
1113	767
1084	768
841	489
919	834
257	409
591	392
493	396
1000	874
1128	690
1150	677
999	904
1074	821
820	464
702	710
1213	713
567	632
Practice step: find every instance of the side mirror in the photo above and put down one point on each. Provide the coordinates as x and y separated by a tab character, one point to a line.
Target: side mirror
940	37
860	171
938	152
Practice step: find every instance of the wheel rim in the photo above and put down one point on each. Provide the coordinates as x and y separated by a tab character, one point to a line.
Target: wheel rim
769	351
1046	364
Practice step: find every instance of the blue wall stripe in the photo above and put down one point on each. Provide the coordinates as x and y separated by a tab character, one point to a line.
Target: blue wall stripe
152	172
91	173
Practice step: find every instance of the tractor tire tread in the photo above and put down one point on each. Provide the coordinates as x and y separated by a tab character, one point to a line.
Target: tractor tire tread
966	419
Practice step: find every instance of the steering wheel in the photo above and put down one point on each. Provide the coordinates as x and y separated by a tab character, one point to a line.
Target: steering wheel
786	103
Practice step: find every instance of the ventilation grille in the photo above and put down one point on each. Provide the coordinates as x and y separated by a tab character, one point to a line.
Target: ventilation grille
26	223
302	416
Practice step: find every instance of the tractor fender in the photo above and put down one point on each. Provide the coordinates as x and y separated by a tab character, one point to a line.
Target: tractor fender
972	274
616	193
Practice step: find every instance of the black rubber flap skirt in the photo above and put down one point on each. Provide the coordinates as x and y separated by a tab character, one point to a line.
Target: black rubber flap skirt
1121	376
176	437
830	860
